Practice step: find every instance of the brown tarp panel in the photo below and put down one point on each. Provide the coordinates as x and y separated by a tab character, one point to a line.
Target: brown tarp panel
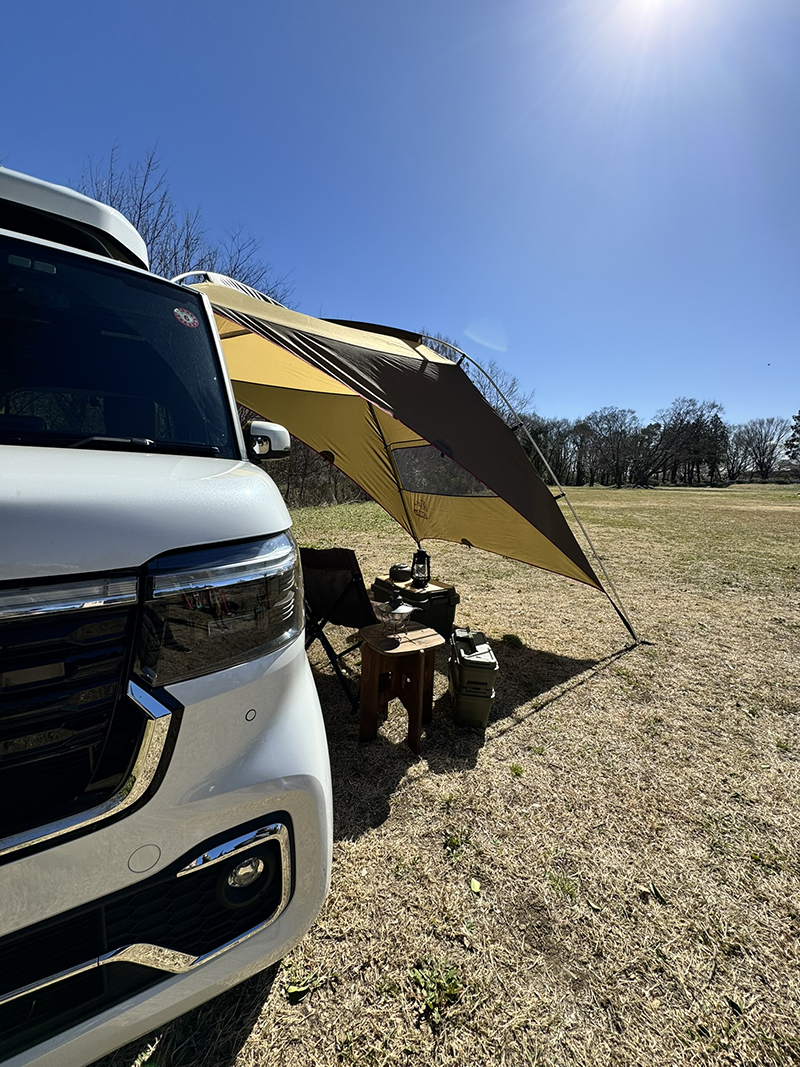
405	423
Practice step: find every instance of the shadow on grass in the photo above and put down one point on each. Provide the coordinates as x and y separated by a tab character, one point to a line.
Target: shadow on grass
523	675
210	1036
366	775
526	673
539	678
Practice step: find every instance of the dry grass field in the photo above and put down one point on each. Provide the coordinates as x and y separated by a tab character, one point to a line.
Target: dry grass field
610	874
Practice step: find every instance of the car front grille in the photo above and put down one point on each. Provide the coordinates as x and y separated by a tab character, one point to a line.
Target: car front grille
67	735
54	1009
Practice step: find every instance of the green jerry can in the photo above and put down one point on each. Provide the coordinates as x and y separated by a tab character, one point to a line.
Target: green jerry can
471	675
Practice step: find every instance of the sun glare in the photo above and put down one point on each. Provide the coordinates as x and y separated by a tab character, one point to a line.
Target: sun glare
646	14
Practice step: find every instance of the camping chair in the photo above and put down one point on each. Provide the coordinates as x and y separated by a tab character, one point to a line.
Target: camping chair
335	594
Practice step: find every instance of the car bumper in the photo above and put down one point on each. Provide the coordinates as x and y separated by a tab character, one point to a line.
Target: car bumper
250	751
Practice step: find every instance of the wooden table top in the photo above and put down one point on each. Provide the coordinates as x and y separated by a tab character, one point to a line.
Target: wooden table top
416	639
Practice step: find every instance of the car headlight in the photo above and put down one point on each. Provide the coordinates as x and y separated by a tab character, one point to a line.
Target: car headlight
213	608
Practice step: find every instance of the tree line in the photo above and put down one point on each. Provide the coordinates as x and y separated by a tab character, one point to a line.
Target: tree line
687	443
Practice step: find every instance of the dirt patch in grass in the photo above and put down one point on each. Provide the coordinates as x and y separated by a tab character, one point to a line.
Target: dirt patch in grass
610	874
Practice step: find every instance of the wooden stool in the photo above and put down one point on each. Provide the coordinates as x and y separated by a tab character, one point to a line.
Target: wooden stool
400	666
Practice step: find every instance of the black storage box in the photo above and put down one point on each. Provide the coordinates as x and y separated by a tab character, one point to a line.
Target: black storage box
435	603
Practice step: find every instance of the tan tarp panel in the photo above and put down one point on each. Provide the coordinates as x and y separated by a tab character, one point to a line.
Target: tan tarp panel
405	423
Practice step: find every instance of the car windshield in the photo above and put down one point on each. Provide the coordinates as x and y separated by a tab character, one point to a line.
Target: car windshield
92	353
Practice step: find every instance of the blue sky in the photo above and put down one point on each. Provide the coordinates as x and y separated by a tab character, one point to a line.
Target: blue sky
601	195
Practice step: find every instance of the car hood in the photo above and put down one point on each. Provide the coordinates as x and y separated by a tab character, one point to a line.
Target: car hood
68	511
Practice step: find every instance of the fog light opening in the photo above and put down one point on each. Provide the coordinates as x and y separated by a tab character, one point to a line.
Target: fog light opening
245	879
245	873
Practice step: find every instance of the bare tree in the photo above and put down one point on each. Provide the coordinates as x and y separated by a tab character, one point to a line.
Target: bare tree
764	440
690	439
506	385
714	443
613	431
676	429
582	437
646	452
792	446
735	458
176	238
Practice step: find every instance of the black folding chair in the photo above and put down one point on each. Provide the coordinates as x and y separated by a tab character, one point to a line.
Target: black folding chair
335	594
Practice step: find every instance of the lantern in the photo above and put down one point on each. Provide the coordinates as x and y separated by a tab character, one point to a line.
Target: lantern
420	569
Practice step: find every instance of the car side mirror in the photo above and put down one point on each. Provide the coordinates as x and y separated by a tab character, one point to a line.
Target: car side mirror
267	440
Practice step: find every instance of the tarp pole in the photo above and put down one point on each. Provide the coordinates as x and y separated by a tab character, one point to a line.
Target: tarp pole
614	600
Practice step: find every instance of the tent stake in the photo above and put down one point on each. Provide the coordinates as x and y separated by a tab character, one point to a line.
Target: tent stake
614	600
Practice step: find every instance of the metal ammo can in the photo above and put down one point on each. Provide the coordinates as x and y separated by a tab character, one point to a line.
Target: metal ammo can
471	674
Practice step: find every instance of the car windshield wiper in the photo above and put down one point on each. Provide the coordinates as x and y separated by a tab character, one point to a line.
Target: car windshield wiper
113	442
145	444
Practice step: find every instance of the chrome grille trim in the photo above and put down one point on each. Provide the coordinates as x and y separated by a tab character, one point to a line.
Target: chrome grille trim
144	769
35	601
242	844
170	961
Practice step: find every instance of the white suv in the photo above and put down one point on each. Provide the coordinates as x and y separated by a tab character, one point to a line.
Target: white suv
165	799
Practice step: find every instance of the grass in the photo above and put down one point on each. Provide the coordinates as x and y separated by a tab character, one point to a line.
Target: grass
631	819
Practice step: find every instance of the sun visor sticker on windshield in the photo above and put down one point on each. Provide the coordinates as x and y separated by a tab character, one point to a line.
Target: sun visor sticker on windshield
186	318
425	469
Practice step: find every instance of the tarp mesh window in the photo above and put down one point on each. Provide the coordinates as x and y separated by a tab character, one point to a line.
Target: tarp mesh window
424	469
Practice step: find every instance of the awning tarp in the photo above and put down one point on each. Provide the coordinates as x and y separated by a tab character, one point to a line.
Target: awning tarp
405	423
